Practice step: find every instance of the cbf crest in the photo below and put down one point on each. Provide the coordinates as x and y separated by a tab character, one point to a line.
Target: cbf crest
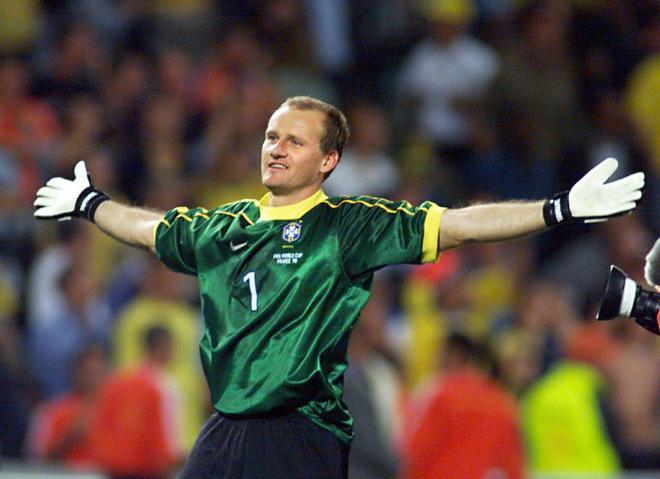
291	232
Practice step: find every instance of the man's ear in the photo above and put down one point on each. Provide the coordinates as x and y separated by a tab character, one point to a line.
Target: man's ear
329	162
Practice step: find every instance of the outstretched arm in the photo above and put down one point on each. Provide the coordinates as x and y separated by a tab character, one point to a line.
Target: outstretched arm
64	199
590	200
490	222
128	224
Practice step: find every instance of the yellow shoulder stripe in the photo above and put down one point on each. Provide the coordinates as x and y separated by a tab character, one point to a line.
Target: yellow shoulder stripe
182	210
169	225
370	205
187	218
235	215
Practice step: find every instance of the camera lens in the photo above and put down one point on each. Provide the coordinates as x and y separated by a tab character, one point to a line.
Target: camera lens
646	310
625	298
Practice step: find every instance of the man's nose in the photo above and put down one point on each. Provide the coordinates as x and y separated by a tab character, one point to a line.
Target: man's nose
278	151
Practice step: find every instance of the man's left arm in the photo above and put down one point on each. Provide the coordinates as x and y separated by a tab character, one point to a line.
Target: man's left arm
489	222
591	199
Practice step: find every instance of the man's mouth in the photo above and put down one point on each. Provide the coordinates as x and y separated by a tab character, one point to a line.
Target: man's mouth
277	166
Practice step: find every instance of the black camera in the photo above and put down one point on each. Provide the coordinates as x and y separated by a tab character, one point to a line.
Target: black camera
625	298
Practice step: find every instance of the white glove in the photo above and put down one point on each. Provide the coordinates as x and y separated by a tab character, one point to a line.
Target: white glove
64	199
592	200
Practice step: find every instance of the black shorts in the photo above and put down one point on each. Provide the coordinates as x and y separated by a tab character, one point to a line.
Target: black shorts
288	446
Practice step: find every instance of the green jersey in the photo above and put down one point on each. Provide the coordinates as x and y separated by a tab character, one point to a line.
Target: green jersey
281	289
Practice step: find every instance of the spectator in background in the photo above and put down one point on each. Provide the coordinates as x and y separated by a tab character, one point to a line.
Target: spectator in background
367	168
28	126
544	124
579	265
84	128
18	392
75	65
545	315
188	23
236	57
642	93
383	32
443	78
642	96
282	24
562	414
19	24
175	75
125	93
465	424
634	395
61	428
488	286
372	391
331	34
612	134
163	143
138	426
161	302
43	292
426	322
301	50
467	292
57	339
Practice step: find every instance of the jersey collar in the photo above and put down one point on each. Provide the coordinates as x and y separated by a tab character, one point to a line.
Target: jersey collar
288	212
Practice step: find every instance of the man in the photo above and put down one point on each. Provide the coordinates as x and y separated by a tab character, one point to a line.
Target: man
138	425
463	410
61	430
283	280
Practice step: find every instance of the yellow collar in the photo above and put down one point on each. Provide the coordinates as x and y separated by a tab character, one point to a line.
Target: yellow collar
288	212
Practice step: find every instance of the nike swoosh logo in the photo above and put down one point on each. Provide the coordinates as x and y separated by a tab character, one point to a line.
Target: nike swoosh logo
236	247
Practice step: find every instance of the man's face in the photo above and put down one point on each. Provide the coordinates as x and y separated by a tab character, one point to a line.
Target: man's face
291	156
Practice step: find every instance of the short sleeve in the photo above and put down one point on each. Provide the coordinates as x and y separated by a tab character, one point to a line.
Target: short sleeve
376	232
176	236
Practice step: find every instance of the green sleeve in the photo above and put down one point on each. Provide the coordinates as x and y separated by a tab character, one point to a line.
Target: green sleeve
176	237
375	232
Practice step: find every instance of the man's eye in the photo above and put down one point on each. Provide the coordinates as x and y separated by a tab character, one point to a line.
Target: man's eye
296	142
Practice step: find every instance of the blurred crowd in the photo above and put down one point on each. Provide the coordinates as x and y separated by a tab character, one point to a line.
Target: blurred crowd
489	361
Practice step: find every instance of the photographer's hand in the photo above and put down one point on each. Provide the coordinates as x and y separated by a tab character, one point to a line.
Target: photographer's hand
652	266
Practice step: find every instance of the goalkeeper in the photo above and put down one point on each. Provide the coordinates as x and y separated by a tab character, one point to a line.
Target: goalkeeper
283	279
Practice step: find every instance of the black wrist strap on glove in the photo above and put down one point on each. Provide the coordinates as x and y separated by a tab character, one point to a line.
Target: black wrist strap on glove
556	210
89	199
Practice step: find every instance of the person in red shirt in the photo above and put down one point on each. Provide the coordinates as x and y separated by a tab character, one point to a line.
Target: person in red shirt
60	430
138	426
465	426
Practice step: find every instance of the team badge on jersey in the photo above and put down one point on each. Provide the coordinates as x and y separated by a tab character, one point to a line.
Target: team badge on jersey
291	232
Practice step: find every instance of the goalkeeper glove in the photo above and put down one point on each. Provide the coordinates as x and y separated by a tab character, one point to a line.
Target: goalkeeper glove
64	199
592	200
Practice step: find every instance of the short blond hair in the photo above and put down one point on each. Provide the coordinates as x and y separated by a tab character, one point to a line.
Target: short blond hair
336	129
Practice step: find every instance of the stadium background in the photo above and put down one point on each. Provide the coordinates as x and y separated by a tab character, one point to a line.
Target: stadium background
451	100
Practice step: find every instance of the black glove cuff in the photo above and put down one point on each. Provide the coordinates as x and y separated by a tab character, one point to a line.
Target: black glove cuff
89	199
556	210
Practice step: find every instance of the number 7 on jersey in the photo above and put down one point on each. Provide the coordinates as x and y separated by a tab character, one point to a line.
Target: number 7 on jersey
250	279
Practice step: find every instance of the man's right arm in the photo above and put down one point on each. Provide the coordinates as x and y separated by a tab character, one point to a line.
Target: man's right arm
62	199
128	224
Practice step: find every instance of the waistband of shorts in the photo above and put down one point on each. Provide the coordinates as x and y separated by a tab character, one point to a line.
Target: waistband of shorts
276	414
